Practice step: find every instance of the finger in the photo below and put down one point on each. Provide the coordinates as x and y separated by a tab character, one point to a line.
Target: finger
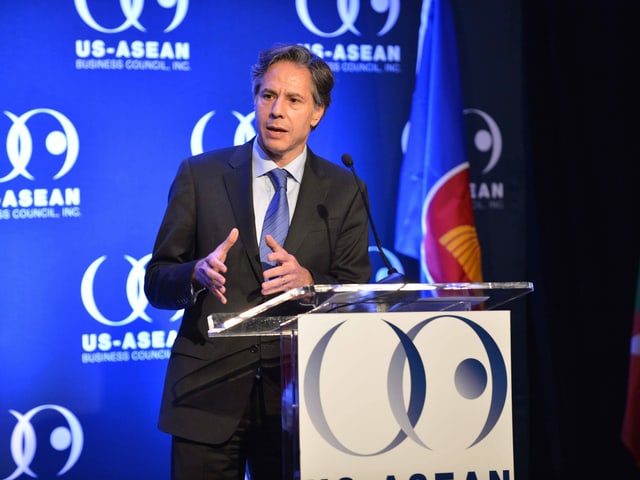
273	244
273	272
217	280
277	259
209	272
219	294
224	247
275	285
217	266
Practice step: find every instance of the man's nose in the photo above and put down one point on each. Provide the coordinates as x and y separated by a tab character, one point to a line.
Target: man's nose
276	107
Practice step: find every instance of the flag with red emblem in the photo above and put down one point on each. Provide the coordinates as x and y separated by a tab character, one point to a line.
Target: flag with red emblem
631	423
435	220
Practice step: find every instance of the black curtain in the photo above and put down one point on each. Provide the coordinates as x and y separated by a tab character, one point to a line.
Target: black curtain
583	222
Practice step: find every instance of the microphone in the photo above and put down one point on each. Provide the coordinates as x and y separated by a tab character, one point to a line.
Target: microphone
393	276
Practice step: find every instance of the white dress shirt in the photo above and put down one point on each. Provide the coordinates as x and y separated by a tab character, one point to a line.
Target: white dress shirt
263	189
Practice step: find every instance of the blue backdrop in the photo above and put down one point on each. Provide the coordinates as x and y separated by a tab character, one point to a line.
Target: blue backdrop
101	100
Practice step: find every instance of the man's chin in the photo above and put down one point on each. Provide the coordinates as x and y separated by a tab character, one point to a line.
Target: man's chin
274	149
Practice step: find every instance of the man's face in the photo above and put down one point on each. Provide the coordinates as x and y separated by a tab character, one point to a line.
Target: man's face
285	111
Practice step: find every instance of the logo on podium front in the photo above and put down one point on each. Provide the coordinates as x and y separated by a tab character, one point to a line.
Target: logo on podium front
392	395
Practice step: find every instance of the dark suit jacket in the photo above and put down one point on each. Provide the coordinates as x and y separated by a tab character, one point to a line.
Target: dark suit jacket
209	379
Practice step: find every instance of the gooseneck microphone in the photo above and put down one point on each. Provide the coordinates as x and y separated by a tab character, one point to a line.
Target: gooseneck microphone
393	276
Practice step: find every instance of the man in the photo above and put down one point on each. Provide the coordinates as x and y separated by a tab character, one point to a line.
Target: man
221	400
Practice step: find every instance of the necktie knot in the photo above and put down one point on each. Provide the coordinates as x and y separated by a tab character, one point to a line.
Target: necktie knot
278	177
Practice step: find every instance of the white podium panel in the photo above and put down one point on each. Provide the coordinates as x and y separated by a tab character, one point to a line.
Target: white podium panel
412	396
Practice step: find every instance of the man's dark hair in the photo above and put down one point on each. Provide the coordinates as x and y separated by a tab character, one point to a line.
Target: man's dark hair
321	75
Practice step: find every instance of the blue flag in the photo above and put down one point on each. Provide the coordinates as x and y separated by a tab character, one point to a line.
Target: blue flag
435	221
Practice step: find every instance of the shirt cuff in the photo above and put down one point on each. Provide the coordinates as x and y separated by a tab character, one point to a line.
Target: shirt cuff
195	293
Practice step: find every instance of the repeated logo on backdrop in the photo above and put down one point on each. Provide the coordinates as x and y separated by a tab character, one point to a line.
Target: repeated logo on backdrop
116	344
27	444
485	152
362	57
244	132
116	51
486	140
37	140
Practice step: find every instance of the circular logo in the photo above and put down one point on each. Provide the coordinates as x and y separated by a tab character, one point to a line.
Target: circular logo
348	11
244	131
23	440
488	139
20	144
409	384
134	291
132	9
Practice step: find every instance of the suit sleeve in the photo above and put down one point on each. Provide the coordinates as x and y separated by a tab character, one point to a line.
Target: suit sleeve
168	274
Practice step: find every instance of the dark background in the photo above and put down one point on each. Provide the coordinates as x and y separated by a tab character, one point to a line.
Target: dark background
583	243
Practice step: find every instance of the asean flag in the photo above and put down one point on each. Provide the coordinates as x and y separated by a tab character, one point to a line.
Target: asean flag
434	221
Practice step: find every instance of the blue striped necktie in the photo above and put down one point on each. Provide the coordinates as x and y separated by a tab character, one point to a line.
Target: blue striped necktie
276	220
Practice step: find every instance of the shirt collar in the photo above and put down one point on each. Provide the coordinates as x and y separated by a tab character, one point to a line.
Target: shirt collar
262	164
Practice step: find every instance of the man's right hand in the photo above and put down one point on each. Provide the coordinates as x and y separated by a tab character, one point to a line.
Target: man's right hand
209	272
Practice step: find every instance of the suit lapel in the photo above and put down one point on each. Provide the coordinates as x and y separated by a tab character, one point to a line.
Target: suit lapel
238	185
313	191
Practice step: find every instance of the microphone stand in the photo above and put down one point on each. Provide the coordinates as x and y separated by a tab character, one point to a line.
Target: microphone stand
393	276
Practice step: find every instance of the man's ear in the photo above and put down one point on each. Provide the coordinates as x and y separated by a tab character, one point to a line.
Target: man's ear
318	113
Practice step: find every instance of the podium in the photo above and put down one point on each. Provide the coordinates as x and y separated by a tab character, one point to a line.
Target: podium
391	381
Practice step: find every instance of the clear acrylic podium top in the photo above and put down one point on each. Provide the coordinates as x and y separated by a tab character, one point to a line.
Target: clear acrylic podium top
279	314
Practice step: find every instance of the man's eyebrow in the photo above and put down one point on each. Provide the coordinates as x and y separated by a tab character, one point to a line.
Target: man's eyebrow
288	94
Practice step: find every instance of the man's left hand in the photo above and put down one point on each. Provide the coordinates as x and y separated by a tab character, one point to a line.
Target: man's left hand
287	273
